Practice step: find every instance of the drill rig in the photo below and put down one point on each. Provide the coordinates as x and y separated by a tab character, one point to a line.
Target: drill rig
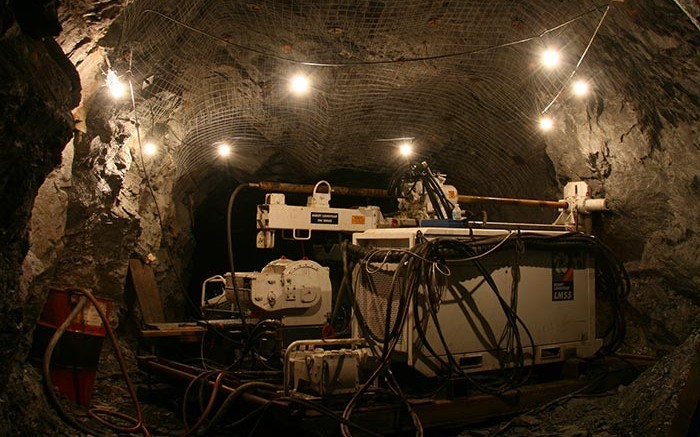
430	290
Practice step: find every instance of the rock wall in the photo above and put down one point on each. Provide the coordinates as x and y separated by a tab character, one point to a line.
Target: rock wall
636	141
109	212
38	89
78	224
101	203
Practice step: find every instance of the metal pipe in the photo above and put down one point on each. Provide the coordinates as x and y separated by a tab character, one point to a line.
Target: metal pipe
184	376
509	201
308	189
379	193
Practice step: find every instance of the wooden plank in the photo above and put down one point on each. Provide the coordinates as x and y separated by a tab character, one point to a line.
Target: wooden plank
166	326
686	423
187	331
146	288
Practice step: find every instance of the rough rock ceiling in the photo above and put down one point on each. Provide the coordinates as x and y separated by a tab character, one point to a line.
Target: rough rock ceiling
221	68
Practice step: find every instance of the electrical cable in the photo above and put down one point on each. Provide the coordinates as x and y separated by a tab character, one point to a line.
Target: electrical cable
343	289
404	185
421	280
254	335
230	399
612	279
327	412
383	62
511	317
515	355
583	55
229	240
392	335
210	404
149	185
46	365
137	422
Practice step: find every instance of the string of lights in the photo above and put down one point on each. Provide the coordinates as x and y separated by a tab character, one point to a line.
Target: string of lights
300	83
580	87
377	62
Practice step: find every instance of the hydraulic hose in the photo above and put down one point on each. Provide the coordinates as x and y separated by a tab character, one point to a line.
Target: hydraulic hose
46	370
210	405
231	398
229	240
137	423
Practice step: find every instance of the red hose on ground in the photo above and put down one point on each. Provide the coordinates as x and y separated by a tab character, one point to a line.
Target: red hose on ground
137	422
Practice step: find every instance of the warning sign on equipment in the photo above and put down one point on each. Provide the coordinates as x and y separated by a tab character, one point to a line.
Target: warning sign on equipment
324	218
562	276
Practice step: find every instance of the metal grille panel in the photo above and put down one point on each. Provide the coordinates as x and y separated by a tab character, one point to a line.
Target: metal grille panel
372	292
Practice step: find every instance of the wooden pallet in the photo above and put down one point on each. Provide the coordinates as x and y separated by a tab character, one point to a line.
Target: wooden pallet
145	286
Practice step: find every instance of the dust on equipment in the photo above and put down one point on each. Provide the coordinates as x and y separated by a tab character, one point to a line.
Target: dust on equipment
432	291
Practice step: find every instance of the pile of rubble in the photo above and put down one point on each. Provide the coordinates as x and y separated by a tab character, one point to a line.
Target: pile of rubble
644	408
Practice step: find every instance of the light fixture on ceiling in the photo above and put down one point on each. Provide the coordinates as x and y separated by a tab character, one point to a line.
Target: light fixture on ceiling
580	88
224	150
299	84
150	148
550	58
546	123
406	149
116	87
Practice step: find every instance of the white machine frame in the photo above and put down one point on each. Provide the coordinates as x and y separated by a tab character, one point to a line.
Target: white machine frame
562	328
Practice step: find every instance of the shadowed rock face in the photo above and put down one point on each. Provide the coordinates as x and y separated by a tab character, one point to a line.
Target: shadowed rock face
38	89
634	139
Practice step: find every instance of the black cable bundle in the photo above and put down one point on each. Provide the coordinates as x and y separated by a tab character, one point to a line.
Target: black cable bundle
612	279
512	359
421	277
393	328
420	280
405	184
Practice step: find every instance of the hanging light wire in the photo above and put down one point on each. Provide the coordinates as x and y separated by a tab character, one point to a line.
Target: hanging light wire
384	62
580	60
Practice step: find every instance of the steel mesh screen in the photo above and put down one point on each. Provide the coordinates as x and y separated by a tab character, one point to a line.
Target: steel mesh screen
372	297
218	70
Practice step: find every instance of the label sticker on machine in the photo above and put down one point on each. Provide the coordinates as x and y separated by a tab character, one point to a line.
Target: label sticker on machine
324	218
358	220
563	265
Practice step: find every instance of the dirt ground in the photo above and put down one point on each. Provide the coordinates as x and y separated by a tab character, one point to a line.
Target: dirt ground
644	408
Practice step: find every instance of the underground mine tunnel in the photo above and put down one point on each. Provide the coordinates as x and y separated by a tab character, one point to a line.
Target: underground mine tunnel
371	217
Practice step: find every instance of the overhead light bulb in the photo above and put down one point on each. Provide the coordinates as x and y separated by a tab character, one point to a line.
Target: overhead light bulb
546	123
150	149
116	87
299	84
406	149
550	58
224	150
580	88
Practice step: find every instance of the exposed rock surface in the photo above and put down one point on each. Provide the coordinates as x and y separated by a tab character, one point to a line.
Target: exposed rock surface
37	92
635	141
644	408
101	202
